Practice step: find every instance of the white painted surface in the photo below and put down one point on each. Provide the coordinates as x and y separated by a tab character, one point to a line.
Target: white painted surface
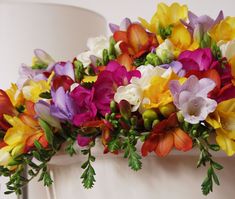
173	177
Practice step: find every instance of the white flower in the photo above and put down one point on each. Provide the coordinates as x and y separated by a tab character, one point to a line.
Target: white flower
131	93
134	92
147	72
165	51
227	49
85	58
95	45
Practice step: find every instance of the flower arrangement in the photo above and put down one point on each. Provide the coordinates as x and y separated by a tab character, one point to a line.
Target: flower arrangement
167	84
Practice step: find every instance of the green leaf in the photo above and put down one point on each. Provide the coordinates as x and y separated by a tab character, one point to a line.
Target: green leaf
48	131
88	178
133	157
215	178
37	145
47	179
114	145
217	166
214	147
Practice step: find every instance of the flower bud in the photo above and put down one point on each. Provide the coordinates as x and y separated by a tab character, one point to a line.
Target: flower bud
150	114
147	124
155	122
125	109
167	110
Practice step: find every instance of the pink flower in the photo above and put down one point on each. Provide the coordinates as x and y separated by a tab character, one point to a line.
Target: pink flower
85	107
200	59
108	81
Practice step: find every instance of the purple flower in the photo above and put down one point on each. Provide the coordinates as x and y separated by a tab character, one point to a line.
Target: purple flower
43	57
84	105
191	98
202	23
66	69
63	106
176	67
123	26
108	81
200	59
42	110
83	141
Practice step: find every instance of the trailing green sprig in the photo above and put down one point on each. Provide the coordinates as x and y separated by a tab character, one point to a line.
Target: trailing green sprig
88	176
200	135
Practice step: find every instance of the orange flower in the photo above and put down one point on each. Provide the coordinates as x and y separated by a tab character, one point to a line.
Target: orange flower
166	135
135	41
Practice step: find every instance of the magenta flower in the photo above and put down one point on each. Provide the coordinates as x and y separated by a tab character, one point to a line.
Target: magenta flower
84	105
108	81
83	141
200	59
191	98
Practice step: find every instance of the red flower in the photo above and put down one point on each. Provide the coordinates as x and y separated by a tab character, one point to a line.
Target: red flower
135	41
166	135
7	108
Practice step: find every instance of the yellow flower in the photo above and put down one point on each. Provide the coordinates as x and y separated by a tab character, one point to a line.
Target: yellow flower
33	89
182	39
158	93
223	120
224	31
165	16
15	95
15	138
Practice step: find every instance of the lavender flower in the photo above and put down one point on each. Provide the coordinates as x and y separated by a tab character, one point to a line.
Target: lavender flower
191	98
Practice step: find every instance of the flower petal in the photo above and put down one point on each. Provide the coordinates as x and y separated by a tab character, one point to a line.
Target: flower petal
165	145
182	141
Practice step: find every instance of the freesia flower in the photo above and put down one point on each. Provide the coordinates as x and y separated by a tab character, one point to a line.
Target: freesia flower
198	26
123	26
165	16
42	110
135	41
43	57
84	105
27	73
62	105
107	83
223	120
165	51
33	89
224	31
148	91
64	69
19	137
95	45
200	59
6	107
15	95
83	141
191	98
166	135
